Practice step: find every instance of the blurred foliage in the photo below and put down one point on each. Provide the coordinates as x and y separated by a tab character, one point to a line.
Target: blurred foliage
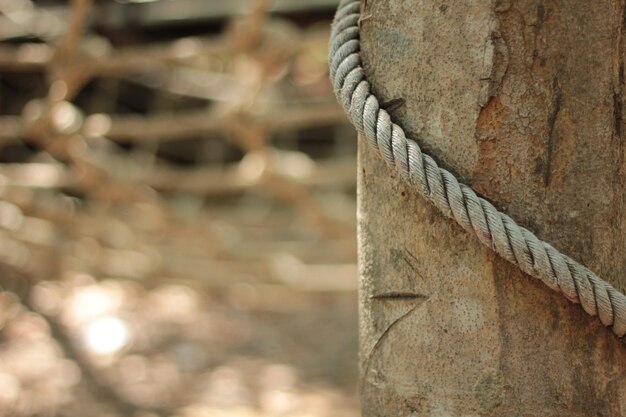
177	191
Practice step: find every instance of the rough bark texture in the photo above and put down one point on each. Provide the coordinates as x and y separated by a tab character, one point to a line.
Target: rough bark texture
523	100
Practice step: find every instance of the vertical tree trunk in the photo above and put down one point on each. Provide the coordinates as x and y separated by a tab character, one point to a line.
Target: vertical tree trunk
523	100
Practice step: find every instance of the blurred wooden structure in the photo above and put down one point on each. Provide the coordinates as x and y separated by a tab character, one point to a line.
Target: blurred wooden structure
245	114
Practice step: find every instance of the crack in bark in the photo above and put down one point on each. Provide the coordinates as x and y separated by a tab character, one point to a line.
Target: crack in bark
617	102
393	104
395	297
387	331
552	119
411	261
618	97
398	296
537	26
363	18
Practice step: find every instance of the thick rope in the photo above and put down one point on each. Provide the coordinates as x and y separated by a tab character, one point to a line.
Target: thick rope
458	201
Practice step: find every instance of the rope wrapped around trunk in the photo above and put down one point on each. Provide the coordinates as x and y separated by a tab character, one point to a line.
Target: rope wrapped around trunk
456	200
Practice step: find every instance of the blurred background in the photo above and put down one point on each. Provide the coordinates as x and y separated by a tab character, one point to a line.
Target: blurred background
177	211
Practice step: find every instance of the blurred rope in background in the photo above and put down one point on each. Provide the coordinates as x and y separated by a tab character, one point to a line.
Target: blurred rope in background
177	232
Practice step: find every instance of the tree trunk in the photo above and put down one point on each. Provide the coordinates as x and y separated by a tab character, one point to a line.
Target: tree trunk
523	100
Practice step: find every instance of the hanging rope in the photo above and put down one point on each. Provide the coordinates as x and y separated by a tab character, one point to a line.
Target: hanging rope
458	201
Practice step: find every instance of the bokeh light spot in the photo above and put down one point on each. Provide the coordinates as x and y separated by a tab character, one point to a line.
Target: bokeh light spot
106	335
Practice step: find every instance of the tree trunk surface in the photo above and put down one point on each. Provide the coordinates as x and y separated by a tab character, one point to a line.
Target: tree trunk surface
522	100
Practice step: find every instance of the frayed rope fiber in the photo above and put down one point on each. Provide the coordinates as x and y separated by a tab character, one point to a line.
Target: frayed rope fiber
458	201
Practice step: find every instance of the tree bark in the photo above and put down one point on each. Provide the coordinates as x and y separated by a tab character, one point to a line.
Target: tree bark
522	100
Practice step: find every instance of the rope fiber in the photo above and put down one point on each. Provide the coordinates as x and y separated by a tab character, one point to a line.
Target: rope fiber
456	200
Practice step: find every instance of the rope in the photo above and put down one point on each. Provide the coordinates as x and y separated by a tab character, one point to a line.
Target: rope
456	200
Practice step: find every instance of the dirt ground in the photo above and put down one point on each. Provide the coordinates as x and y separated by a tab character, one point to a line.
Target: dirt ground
172	350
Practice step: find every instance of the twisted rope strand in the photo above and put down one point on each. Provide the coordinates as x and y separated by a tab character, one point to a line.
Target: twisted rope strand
458	201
